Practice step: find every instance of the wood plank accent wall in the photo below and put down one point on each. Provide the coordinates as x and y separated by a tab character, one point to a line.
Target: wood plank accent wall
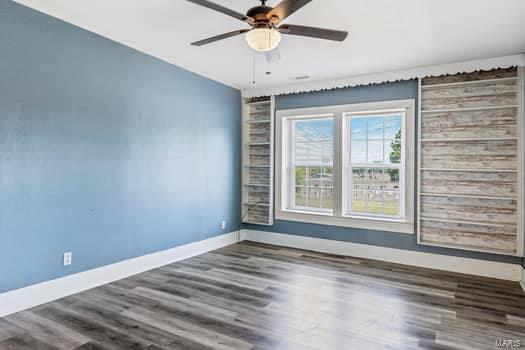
470	161
257	161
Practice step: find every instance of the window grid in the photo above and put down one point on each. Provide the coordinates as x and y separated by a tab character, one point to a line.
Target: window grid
368	165
308	166
395	188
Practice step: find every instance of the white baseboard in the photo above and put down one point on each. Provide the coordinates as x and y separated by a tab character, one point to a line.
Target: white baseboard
506	271
37	294
28	297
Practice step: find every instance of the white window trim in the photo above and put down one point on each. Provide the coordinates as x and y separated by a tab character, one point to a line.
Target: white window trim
290	175
337	219
347	169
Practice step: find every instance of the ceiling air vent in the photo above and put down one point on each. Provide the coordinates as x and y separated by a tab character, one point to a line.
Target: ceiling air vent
301	77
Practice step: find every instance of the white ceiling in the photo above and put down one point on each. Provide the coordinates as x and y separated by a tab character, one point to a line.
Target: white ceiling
385	35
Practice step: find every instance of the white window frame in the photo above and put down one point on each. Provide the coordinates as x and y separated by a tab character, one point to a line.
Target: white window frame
290	170
348	166
338	217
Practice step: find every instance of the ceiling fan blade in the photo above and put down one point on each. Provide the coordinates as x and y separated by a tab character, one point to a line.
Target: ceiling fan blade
219	37
284	9
313	32
273	55
222	9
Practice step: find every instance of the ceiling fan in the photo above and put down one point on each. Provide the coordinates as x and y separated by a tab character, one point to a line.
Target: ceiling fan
266	30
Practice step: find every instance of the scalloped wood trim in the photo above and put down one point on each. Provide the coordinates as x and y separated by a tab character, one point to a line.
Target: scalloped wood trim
393	76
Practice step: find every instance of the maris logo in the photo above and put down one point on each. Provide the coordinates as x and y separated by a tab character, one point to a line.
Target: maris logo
508	343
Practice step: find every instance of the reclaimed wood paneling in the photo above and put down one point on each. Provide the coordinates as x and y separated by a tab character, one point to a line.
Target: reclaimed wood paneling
474	76
257	186
260	150
258	194
479	88
500	93
258	176
259	136
259	128
468	189
495	184
493	211
483	154
256	213
260	115
499	123
502	238
255	159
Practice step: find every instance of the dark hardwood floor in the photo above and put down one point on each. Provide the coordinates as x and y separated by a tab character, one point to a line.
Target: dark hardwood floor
254	296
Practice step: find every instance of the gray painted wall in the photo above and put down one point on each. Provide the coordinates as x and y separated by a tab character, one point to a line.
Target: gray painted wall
361	94
105	151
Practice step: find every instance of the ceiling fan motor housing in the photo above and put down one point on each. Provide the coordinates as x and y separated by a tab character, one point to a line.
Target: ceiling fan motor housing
258	13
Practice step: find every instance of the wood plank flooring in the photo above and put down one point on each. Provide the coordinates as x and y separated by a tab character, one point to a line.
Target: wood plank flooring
255	296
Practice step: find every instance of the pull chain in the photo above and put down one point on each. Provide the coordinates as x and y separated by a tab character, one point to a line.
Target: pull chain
268	60
253	69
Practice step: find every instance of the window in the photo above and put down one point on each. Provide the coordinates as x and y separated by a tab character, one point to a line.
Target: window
347	165
373	167
311	164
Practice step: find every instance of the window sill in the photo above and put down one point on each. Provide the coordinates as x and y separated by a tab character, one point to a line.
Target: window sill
378	224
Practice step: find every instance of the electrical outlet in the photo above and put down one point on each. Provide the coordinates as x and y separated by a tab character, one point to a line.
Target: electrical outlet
223	224
67	258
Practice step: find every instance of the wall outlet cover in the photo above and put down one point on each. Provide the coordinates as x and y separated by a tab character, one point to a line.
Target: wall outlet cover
67	258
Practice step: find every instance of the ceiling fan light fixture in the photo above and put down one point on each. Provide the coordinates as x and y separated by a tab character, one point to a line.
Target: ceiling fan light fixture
263	39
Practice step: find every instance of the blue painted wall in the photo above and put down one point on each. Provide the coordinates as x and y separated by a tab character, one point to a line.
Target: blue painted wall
105	151
361	94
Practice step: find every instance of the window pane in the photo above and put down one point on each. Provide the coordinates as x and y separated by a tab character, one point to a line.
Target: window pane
375	128
359	179
314	197
358	151
301	154
390	152
393	139
391	179
300	196
328	153
358	129
391	203
359	201
327	177
375	152
327	198
393	151
314	176
375	143
300	176
392	126
315	153
375	179
374	203
313	130
313	149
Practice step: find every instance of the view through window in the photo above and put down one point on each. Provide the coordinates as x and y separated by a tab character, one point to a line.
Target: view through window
313	164
374	171
350	163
